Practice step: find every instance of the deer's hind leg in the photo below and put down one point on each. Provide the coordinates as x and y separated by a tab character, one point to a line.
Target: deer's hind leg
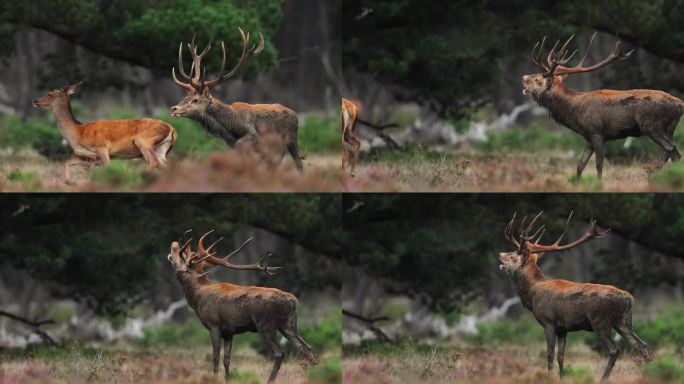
227	348
625	329
146	149
662	134
613	350
269	336
292	334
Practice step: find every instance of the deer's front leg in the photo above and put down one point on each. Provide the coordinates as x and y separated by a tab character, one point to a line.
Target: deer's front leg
103	154
550	333
597	142
215	334
584	159
561	351
227	347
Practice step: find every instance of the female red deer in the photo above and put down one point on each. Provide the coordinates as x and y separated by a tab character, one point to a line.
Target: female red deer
227	309
602	115
350	115
97	141
562	306
237	123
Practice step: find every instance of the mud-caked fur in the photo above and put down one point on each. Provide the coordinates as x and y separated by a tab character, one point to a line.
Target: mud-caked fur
605	115
562	306
227	309
240	123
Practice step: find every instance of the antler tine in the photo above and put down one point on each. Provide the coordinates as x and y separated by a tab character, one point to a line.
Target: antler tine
540	236
235	252
196	73
508	232
522	225
268	270
552	52
567	223
591	43
247	54
529	227
214	243
181	69
541	229
200	243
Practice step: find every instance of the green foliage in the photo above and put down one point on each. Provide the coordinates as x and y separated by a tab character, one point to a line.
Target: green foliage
532	139
29	180
119	174
579	375
326	334
193	140
191	332
328	372
244	376
524	330
38	134
319	134
147	32
671	175
666	329
665	369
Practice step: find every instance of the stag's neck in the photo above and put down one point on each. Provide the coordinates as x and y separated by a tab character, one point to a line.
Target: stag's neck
525	280
190	286
66	122
221	121
562	104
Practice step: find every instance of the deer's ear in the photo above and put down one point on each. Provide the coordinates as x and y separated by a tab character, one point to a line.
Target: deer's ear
71	89
205	92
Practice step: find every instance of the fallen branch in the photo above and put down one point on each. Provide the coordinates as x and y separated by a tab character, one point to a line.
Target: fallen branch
378	130
370	323
35	325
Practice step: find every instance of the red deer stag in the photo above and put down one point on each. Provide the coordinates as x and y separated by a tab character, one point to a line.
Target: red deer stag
601	115
237	123
98	141
350	115
562	306
227	309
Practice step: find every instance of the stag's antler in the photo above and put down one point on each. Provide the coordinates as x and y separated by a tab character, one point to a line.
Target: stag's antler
208	256
531	242
196	78
556	61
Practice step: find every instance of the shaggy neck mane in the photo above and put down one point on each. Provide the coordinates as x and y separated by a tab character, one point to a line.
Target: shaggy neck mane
524	279
190	285
559	101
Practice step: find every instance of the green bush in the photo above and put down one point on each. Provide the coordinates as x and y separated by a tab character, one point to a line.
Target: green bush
192	139
246	377
579	375
507	332
38	134
329	371
531	139
320	134
118	174
186	334
325	335
671	175
665	369
29	180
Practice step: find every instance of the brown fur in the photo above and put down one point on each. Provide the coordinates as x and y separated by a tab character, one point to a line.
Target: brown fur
350	116
228	309
98	141
562	306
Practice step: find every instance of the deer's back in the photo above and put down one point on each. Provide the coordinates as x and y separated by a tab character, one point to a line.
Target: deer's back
236	309
574	306
621	114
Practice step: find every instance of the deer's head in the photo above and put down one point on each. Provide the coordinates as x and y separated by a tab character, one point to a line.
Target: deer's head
198	97
554	70
528	250
183	259
59	95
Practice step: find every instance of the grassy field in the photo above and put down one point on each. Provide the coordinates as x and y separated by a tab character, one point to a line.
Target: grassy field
506	364
532	159
164	365
32	157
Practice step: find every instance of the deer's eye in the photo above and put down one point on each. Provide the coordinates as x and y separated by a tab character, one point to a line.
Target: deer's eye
194	101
